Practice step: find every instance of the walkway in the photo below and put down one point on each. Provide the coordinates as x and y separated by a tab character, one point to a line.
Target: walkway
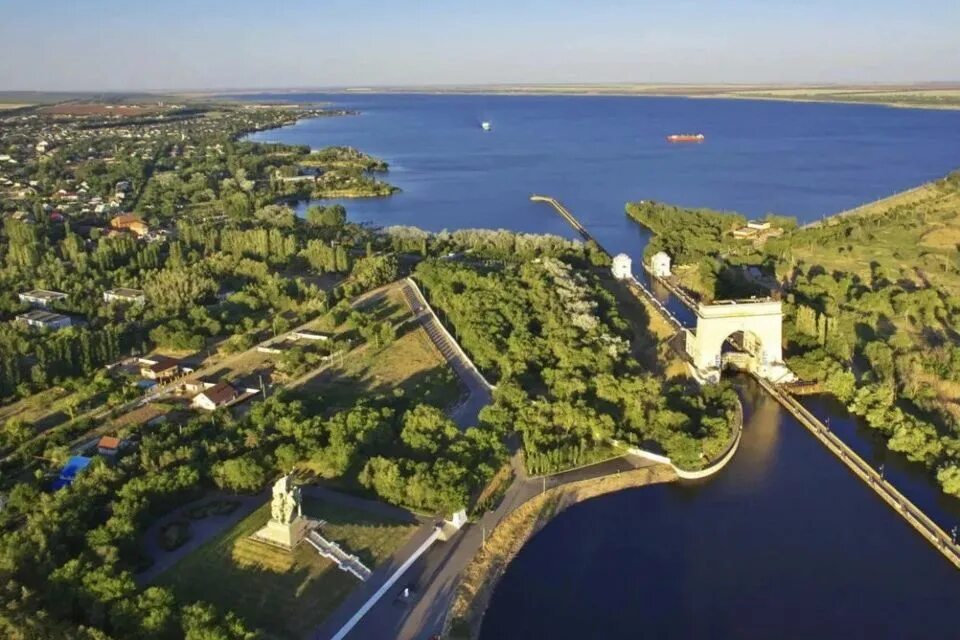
914	516
477	388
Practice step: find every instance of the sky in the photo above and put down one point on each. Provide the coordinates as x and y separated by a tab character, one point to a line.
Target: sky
131	45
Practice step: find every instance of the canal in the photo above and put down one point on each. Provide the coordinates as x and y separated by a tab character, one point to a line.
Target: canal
784	543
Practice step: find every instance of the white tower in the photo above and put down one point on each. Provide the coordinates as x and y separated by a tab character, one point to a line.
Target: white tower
660	265
622	266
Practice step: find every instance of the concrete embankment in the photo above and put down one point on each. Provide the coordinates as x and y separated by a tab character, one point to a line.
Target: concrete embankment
481	576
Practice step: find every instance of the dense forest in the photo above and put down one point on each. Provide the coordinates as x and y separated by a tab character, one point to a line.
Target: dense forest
872	302
555	344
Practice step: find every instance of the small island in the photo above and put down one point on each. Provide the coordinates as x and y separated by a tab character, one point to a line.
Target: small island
333	172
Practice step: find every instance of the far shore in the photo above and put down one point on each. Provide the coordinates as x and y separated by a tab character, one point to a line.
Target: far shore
944	96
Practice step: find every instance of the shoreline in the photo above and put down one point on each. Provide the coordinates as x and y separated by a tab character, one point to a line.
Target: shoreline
481	576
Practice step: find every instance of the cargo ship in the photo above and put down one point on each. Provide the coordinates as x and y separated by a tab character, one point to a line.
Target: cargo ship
686	137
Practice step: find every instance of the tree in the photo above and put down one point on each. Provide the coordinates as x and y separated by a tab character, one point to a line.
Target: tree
201	622
243	474
334	215
427	430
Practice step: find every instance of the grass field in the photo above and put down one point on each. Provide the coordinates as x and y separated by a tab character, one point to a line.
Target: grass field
913	236
285	595
933	96
411	364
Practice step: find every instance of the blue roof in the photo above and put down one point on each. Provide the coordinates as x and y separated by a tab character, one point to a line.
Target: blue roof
74	465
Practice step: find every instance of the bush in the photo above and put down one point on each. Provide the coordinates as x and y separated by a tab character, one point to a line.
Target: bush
174	535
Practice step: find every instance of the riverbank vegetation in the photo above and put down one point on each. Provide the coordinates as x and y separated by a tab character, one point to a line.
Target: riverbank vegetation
554	343
872	302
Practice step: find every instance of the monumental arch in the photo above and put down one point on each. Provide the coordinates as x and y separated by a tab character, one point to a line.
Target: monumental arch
751	329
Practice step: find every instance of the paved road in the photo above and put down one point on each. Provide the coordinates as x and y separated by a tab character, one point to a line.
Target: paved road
437	572
476	387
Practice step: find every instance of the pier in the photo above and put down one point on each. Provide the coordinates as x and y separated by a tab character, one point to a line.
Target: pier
914	516
637	287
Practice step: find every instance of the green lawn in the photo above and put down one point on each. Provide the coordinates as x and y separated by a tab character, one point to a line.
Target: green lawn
286	595
411	364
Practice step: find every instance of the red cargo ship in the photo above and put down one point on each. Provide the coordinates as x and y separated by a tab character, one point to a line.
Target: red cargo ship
686	137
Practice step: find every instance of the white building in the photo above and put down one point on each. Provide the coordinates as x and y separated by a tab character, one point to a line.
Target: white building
218	395
39	319
660	265
622	265
123	295
41	297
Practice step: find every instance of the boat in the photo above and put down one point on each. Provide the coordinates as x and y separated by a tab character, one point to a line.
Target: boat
486	126
686	137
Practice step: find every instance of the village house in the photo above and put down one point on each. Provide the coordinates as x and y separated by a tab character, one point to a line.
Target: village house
127	296
198	385
219	395
41	297
39	319
132	223
159	368
109	446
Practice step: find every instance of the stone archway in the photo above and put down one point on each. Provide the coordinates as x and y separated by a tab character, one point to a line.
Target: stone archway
756	328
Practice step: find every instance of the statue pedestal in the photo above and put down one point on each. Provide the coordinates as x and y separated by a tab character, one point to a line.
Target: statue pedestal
286	536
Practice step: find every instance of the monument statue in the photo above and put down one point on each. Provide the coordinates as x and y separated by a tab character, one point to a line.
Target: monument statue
286	526
286	501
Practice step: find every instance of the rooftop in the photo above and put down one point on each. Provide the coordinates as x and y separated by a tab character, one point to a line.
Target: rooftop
39	315
44	294
109	442
220	393
123	292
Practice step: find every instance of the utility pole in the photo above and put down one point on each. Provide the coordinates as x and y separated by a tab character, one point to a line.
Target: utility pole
263	390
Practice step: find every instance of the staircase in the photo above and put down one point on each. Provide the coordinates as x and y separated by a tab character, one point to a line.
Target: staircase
344	560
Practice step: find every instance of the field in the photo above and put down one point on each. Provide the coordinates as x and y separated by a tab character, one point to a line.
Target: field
287	596
411	364
98	109
933	96
913	236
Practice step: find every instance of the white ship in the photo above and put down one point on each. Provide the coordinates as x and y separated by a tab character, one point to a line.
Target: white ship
486	126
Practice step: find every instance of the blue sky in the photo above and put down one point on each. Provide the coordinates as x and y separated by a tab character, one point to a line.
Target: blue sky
203	44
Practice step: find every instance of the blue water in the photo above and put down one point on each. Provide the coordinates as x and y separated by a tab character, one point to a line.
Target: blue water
785	543
596	153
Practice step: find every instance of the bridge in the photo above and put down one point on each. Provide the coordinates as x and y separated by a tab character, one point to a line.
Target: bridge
754	329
